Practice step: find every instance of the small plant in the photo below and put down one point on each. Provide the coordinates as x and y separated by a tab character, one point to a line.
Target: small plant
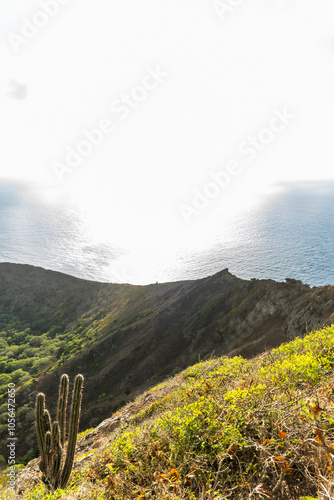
56	464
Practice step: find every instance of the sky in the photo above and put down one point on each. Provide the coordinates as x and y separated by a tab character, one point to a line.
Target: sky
162	112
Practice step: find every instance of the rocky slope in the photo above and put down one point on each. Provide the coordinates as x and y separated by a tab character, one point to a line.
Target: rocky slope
126	338
226	428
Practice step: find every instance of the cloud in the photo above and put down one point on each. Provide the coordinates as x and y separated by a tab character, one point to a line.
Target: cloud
18	91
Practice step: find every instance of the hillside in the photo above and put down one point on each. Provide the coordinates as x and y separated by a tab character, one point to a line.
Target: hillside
126	338
227	428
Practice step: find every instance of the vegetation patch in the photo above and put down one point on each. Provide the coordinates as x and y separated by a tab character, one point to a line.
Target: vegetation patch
228	428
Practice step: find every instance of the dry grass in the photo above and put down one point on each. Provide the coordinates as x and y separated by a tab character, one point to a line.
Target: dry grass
228	428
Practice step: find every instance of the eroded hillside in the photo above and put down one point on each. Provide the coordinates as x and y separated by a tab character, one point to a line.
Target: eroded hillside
126	338
227	428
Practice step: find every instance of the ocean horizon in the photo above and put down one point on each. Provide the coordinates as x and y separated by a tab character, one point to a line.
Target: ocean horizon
289	235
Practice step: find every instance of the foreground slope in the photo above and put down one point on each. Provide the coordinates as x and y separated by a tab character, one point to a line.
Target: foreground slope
126	338
228	428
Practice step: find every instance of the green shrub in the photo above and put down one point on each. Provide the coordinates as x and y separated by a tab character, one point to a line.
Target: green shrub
17	375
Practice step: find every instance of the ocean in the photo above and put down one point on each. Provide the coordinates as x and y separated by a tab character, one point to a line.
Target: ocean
289	235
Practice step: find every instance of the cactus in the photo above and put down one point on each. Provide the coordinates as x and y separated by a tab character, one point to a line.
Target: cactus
55	464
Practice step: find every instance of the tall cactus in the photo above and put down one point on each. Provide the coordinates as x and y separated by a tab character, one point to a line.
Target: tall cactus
55	464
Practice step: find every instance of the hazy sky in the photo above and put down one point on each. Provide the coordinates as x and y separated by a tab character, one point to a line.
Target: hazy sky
182	91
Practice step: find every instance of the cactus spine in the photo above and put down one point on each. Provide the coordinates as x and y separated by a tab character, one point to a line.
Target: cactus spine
55	464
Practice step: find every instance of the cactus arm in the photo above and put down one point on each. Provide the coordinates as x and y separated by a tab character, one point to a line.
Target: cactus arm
47	443
73	429
48	451
57	453
62	406
46	421
40	428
